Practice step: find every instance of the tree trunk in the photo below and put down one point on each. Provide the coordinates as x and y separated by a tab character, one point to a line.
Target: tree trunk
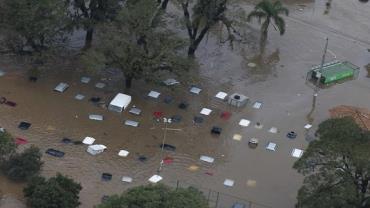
191	50
164	4
89	37
128	82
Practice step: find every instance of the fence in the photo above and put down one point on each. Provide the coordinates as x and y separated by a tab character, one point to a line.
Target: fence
218	199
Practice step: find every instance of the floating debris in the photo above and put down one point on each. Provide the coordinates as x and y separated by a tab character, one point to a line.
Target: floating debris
244	122
291	135
96	149
96	117
61	87
271	146
193	168
221	95
205	111
131	123
297	153
237	137
54	152
207	159
79	97
20	141
126	179
88	140
135	111
85	80
123	153
195	90
253	143
216	130
198	119
170	82
155	179
106	176
24	125
308	126
154	94
183	105
167	147
273	130
119	103
229	182
257	105
100	85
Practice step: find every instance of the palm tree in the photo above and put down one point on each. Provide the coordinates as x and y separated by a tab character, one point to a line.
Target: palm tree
268	11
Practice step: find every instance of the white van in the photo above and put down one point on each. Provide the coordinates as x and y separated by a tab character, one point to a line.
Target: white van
120	102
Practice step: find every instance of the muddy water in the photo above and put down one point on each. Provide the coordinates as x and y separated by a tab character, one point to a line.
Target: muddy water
278	81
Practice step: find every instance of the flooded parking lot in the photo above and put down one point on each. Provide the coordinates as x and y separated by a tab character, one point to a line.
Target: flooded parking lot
278	81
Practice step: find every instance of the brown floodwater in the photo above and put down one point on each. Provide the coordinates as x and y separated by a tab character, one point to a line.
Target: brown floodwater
278	81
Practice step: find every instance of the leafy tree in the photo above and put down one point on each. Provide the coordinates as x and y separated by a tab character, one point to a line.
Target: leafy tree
336	167
89	13
22	166
206	14
56	192
157	196
34	25
7	146
134	44
269	11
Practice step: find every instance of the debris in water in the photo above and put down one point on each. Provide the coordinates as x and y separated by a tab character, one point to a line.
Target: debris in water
170	82
167	147
297	153
237	137
24	125
291	135
271	146
205	111
225	115
244	122
154	94
20	141
55	153
79	97
195	90
229	182
193	168
123	153
106	176
61	87
216	130
221	95
207	159
273	130
155	179
85	80
126	179
88	140
100	85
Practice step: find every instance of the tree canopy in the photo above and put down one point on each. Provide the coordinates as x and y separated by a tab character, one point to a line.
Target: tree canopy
89	13
136	45
157	196
7	146
34	25
56	192
269	11
336	167
22	166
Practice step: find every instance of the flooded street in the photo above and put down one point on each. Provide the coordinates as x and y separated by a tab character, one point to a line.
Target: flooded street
278	81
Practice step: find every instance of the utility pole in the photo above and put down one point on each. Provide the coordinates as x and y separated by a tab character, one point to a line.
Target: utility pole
316	88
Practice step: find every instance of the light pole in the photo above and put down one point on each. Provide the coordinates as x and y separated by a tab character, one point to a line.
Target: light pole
318	77
166	121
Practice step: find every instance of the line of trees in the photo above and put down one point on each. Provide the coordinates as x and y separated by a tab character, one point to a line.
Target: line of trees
37	28
59	191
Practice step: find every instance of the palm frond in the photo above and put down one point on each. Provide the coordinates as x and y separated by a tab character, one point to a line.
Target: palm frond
256	14
280	23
